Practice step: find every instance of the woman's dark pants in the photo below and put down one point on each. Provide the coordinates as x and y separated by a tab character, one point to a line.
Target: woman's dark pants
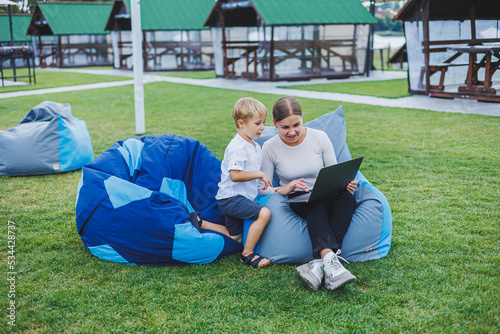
327	220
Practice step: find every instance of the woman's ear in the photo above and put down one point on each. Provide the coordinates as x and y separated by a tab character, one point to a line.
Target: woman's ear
274	124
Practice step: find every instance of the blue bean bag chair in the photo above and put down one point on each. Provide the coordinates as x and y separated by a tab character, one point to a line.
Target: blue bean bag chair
286	239
47	140
136	200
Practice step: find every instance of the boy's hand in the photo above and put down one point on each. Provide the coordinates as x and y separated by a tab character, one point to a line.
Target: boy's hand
267	182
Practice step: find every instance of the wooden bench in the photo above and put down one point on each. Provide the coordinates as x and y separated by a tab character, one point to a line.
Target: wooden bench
442	68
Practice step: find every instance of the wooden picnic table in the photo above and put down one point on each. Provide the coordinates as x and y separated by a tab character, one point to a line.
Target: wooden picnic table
485	53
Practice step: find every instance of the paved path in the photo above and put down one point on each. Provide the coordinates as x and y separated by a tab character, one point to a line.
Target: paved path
286	88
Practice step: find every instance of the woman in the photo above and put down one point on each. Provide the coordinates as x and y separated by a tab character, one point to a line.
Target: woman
297	154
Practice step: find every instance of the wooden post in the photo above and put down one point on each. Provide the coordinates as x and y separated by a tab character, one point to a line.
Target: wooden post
314	52
472	12
183	65
145	51
271	55
40	49
303	64
487	73
91	49
354	63
369	47
224	45
247	57
472	75
59	47
12	45
425	21
255	61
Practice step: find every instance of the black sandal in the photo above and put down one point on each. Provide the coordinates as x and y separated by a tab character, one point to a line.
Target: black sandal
255	263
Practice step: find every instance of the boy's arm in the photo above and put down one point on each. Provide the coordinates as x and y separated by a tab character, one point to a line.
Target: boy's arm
267	167
243	176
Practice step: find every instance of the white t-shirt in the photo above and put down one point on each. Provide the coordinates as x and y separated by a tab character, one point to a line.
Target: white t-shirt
294	162
239	155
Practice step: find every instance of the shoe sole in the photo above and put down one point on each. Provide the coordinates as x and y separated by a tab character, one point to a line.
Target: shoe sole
342	280
303	274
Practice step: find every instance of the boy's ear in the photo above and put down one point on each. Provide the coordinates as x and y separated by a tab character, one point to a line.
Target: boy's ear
240	122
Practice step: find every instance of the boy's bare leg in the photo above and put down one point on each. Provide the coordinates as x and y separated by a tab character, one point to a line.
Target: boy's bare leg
214	227
238	238
254	233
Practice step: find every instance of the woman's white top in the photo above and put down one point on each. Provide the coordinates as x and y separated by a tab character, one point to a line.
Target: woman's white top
239	155
294	162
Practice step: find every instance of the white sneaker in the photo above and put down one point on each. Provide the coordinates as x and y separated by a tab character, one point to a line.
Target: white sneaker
312	273
336	276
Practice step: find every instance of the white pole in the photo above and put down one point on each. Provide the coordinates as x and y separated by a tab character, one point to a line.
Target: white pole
140	126
116	51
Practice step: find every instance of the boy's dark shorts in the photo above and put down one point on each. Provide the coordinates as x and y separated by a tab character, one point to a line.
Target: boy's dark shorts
236	209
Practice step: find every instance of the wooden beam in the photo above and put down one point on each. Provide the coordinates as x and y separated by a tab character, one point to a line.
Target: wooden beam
271	65
144	51
425	22
472	13
59	47
224	46
464	41
321	45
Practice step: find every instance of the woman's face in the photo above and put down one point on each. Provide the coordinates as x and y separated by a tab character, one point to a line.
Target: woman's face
290	129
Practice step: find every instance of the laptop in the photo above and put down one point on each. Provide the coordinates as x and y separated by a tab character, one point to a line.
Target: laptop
330	181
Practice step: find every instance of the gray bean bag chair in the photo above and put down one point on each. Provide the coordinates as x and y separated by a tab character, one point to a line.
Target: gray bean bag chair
47	140
286	239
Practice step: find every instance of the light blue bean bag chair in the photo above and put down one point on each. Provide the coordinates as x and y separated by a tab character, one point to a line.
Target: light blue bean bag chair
286	239
47	140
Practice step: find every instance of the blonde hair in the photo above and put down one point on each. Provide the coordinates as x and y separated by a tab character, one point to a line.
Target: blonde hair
247	107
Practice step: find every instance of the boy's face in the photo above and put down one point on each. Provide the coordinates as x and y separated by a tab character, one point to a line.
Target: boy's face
252	128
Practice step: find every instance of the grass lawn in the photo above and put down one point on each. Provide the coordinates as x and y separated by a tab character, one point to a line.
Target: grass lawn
51	79
193	75
439	172
391	89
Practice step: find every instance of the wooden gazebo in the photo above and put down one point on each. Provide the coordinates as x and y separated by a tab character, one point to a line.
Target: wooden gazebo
290	40
20	54
174	38
453	48
71	34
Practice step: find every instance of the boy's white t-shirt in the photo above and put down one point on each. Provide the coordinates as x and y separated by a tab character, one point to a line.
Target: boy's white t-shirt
244	156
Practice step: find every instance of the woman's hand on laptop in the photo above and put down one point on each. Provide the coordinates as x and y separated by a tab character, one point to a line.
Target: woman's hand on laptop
285	190
352	186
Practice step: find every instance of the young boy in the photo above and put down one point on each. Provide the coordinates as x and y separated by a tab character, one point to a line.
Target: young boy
240	179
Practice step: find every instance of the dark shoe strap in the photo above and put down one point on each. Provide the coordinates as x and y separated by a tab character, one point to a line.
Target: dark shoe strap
249	262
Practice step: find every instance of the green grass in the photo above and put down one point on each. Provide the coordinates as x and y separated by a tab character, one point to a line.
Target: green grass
439	172
193	75
391	89
51	79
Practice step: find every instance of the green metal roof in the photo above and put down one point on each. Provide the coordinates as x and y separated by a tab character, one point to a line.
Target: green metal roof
173	14
20	25
293	12
76	18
